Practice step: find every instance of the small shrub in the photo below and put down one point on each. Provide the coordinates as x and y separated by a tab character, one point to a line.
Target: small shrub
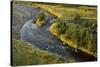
41	19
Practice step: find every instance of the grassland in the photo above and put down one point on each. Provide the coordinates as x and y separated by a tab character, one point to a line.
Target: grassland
26	54
69	12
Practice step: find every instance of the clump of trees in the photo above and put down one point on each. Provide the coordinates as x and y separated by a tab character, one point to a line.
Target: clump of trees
41	19
82	36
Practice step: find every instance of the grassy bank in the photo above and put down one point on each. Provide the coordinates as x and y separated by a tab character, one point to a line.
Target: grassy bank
26	54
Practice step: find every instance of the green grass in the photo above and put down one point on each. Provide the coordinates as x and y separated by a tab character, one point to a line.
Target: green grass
25	54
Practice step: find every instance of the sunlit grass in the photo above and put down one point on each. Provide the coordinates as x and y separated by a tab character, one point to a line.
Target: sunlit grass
69	12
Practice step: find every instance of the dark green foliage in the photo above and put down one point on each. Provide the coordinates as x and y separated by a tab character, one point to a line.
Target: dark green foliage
41	18
77	19
62	26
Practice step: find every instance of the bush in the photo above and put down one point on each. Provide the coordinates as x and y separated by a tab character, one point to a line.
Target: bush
77	19
41	19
